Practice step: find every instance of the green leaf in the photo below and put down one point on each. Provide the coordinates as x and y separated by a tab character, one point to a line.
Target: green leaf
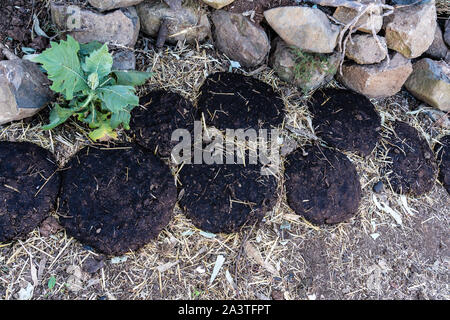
99	62
117	98
63	67
131	78
87	48
51	282
91	119
103	132
58	115
121	117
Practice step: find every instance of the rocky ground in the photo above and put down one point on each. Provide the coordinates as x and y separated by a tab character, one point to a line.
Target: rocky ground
396	247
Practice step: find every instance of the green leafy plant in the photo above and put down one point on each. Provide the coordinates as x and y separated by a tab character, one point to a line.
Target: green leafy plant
93	92
306	63
51	283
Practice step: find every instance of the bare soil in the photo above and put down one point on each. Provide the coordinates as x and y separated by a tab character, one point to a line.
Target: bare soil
29	185
116	200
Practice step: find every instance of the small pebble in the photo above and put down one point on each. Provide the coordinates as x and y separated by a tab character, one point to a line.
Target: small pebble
378	187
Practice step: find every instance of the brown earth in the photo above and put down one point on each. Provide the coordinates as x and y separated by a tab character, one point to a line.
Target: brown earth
233	101
413	165
159	115
223	198
322	185
16	23
346	120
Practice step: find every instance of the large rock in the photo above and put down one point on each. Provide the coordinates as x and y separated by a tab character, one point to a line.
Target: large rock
364	49
218	4
286	61
187	23
104	5
377	80
23	90
306	28
120	26
371	19
124	60
240	39
430	82
447	32
438	49
410	30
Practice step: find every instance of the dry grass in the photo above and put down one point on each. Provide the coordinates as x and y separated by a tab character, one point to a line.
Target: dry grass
443	8
369	257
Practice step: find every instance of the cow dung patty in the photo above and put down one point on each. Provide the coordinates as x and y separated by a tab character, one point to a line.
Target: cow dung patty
443	159
222	198
413	168
159	115
233	101
322	185
116	200
29	186
345	120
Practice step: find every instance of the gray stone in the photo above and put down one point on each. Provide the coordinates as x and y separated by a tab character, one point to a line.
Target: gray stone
364	49
285	62
120	26
371	19
188	23
306	28
377	80
218	4
378	187
438	49
240	39
447	32
410	30
23	90
104	5
124	60
430	82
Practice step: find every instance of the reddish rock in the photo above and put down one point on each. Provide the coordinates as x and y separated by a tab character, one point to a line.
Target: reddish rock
364	49
377	80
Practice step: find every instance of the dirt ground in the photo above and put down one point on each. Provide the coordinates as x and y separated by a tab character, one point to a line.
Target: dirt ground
396	247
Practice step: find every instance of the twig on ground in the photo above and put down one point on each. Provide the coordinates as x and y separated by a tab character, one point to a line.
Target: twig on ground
7	53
